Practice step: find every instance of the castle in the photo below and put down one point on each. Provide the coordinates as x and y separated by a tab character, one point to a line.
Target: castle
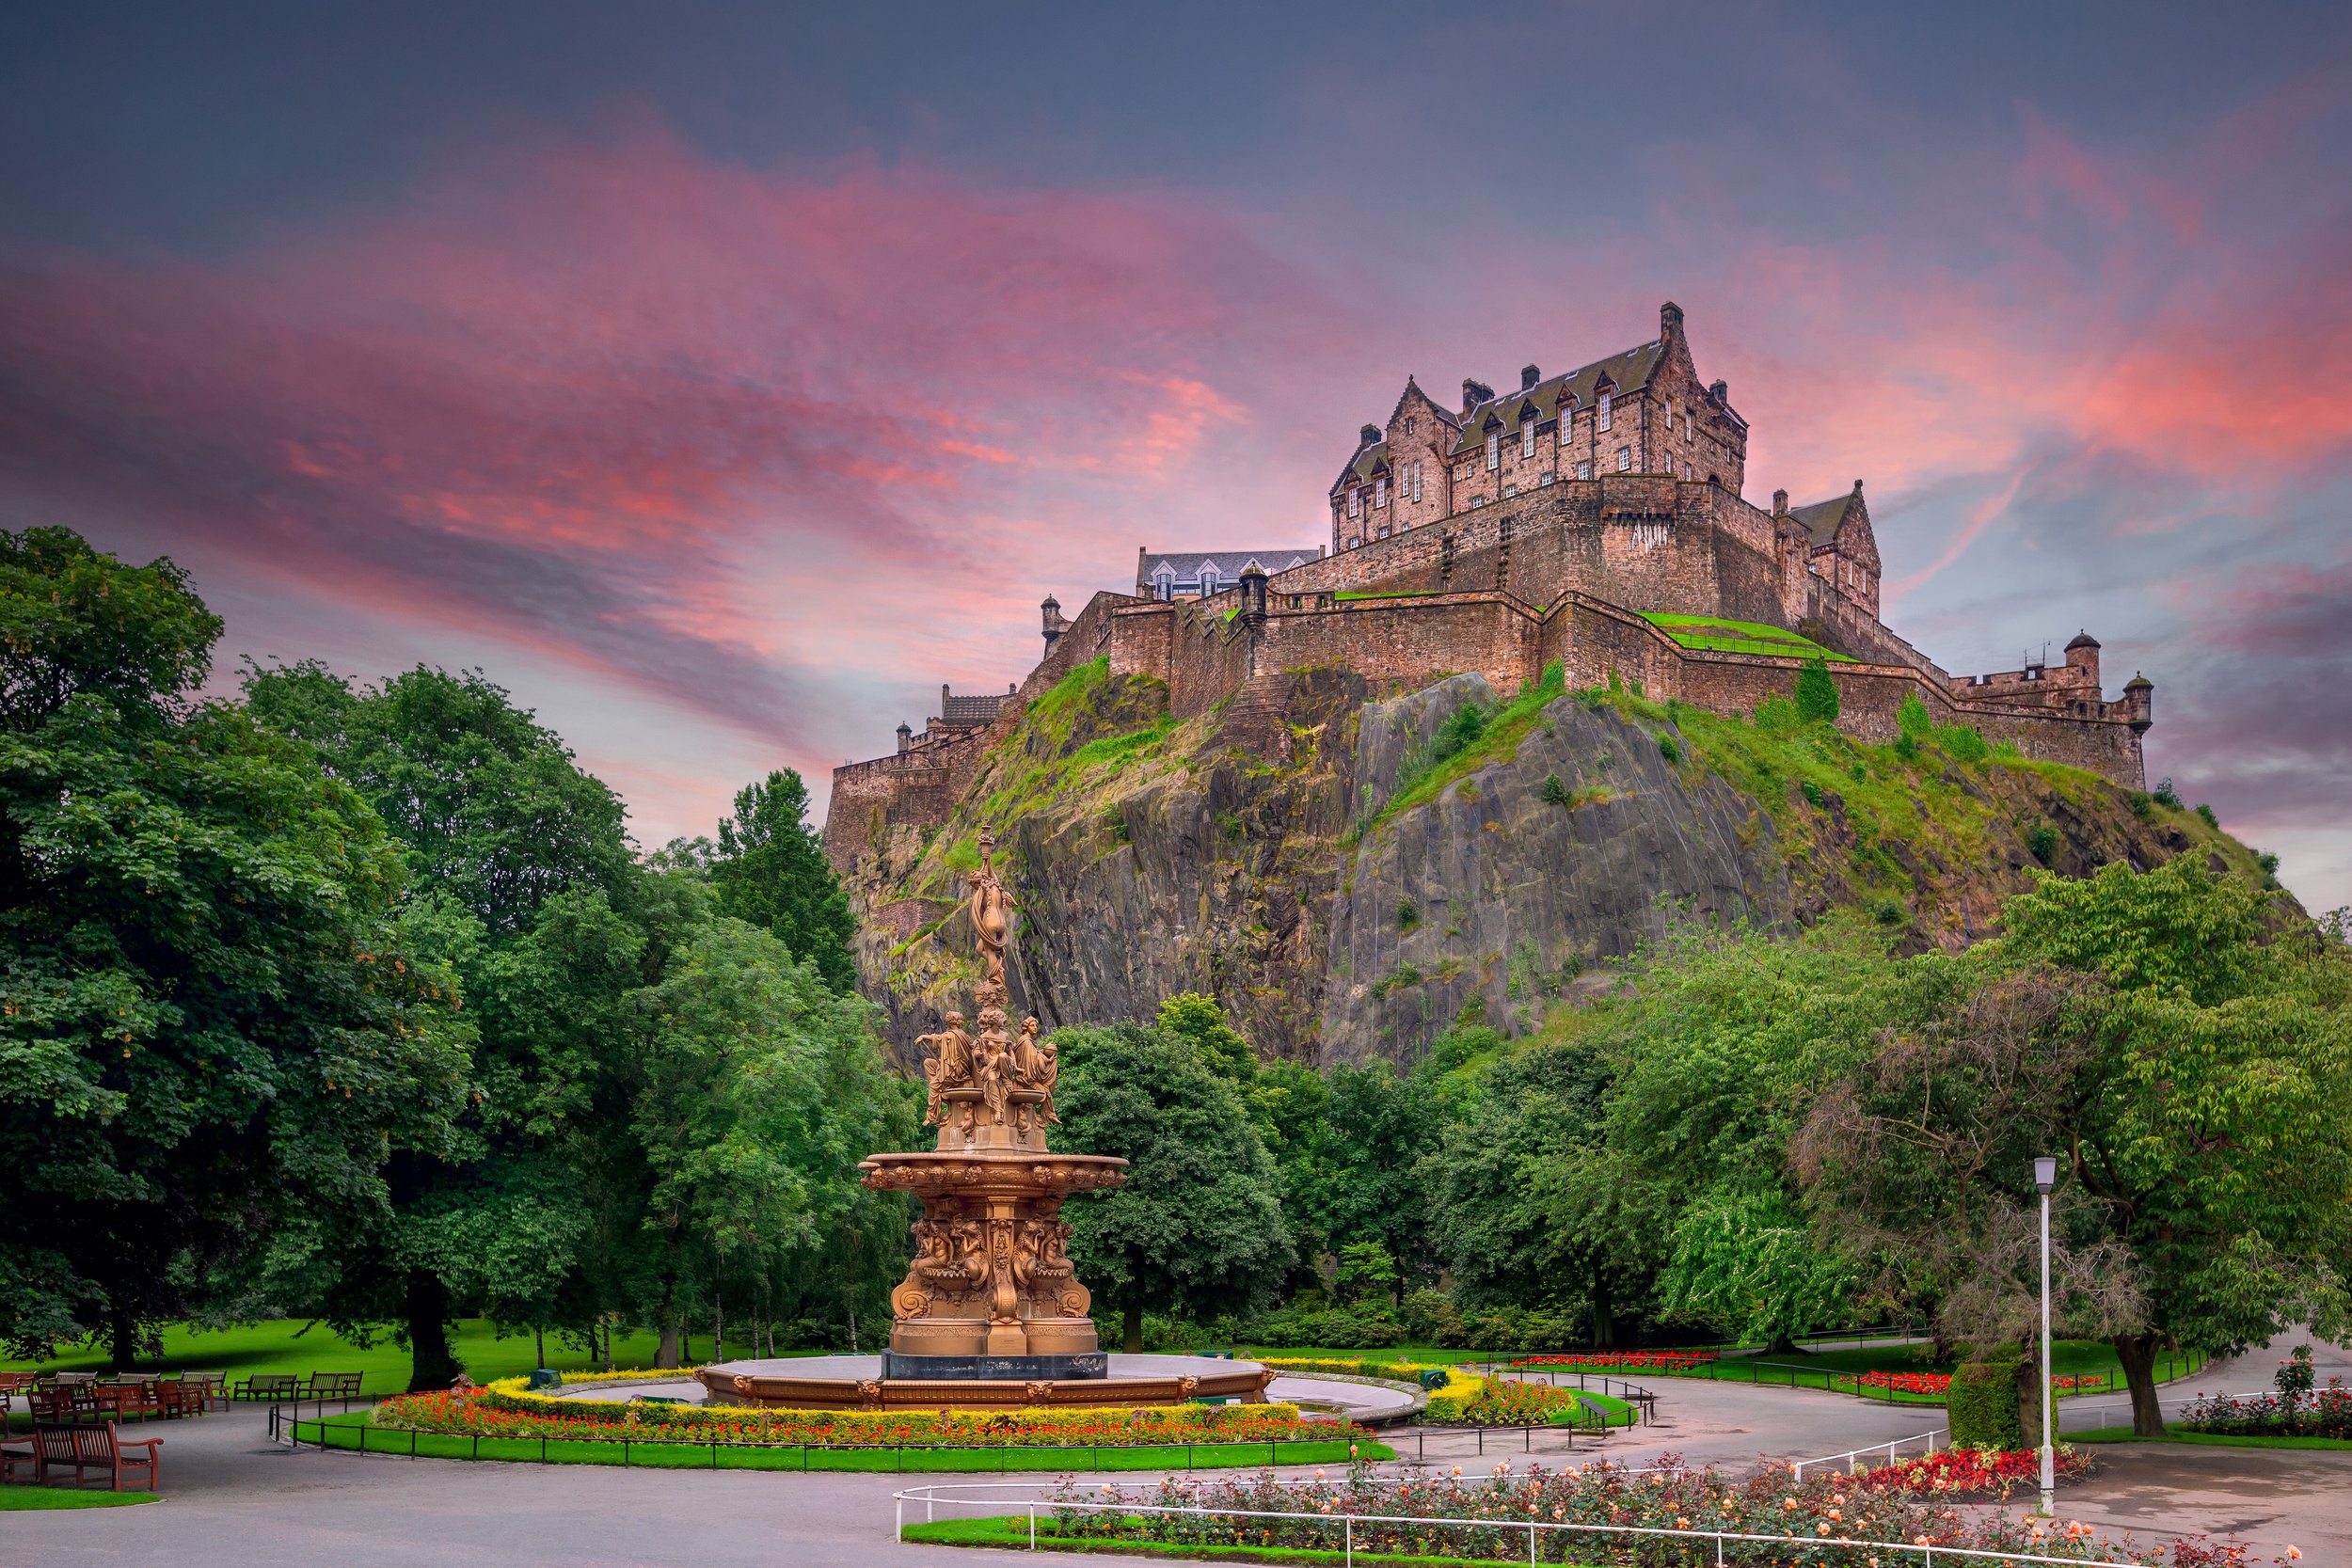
1594	519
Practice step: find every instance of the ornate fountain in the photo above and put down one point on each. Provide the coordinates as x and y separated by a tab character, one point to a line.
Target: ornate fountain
990	1292
991	1311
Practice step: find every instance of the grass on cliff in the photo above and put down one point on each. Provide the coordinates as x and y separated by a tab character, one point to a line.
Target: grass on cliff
1462	748
1720	635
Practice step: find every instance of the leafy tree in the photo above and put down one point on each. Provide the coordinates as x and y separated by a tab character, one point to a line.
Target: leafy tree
1198	1229
769	868
213	1020
496	813
522	869
2207	1127
1200	1020
762	1090
1817	692
1747	1261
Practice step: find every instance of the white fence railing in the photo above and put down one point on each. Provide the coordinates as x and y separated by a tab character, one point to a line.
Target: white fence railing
953	1496
1852	1458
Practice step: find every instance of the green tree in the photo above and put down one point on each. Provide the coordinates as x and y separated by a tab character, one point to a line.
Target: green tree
762	1090
1746	1260
496	813
1198	1229
214	1022
521	870
2206	1128
769	868
1817	692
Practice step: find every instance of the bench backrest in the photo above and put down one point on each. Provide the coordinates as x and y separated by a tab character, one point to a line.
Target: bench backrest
83	1443
334	1385
277	1383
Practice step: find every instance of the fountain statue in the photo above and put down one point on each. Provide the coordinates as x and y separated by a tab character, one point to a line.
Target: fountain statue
991	1311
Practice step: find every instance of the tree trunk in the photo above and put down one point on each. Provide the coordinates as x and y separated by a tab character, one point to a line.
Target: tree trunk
1783	1345
2029	1396
718	1324
1604	1320
431	1362
2138	1352
666	1354
539	1344
123	1339
1131	1330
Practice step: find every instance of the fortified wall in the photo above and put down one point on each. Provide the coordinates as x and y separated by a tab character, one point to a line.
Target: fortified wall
1558	564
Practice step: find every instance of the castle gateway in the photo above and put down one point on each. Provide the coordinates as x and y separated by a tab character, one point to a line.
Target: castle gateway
1593	518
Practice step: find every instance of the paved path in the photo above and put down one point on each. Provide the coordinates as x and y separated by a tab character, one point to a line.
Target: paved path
235	1501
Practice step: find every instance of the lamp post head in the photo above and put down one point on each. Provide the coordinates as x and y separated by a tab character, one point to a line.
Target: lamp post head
2044	1174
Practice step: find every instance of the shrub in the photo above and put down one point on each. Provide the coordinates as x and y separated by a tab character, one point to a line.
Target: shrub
1912	718
1554	792
1964	742
1906	747
1982	1404
2206	812
2167	795
2269	863
2043	840
1115	818
1860	773
1407	915
1667	749
2142	803
1366	1325
1777	716
1459	732
1817	692
1812	792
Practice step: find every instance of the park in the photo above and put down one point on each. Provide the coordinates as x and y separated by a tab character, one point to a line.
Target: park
781	785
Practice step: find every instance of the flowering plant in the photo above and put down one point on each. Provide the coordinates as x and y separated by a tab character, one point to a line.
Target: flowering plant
492	1413
1641	1360
2325	1413
1941	1382
1486	1517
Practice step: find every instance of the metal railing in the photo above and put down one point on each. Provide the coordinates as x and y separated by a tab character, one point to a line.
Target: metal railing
934	1497
1851	1458
1644	1401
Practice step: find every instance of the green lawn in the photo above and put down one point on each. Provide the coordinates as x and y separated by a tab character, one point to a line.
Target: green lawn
2215	1439
1014	1531
284	1346
21	1497
346	1432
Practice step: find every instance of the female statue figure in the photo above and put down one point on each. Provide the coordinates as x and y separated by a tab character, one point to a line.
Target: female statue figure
991	913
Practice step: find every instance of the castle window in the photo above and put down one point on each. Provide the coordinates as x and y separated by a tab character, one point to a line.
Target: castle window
1355	500
1547	478
1527	438
1670	415
1416	479
1163	583
1584	468
1408	424
1625	460
1510	489
1381	496
1354	540
1208	578
1494	451
1600	413
1465	471
1384	531
1477	501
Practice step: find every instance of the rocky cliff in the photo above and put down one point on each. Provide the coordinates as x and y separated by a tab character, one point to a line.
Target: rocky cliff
1350	876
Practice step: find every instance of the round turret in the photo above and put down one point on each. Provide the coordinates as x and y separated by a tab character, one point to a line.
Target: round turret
2082	640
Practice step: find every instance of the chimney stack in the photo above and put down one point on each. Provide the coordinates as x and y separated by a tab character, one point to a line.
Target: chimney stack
1529	375
1368	436
1474	393
1780	503
1720	393
1669	320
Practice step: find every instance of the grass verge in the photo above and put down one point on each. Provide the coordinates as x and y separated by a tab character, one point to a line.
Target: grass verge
1014	1531
339	1432
21	1498
2215	1439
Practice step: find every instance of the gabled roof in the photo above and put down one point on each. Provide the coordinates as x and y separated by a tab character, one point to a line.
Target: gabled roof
1822	520
1369	461
962	709
1628	371
1413	387
1186	566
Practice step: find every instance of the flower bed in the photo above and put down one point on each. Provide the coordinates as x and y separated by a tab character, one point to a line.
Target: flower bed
1940	1384
2323	1413
1486	1518
1614	1360
1973	1470
500	1412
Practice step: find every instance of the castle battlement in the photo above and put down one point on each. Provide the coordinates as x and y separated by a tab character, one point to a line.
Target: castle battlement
1594	519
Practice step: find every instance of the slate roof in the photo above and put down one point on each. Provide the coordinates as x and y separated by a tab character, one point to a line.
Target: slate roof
1369	462
1628	371
971	710
1186	564
1822	520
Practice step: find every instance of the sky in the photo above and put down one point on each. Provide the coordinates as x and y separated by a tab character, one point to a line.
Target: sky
722	378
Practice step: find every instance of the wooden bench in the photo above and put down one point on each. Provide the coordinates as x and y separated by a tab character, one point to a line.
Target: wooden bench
269	1386
93	1445
334	1385
54	1403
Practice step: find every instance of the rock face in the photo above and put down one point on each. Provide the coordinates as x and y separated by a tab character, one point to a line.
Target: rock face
1302	855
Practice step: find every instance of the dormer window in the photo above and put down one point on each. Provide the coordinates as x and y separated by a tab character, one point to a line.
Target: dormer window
1163	583
1494	451
1601	411
1208	578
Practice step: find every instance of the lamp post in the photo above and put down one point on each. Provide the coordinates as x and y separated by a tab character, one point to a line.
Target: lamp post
2045	1178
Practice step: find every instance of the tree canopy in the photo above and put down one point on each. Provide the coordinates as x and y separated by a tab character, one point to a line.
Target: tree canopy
769	868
